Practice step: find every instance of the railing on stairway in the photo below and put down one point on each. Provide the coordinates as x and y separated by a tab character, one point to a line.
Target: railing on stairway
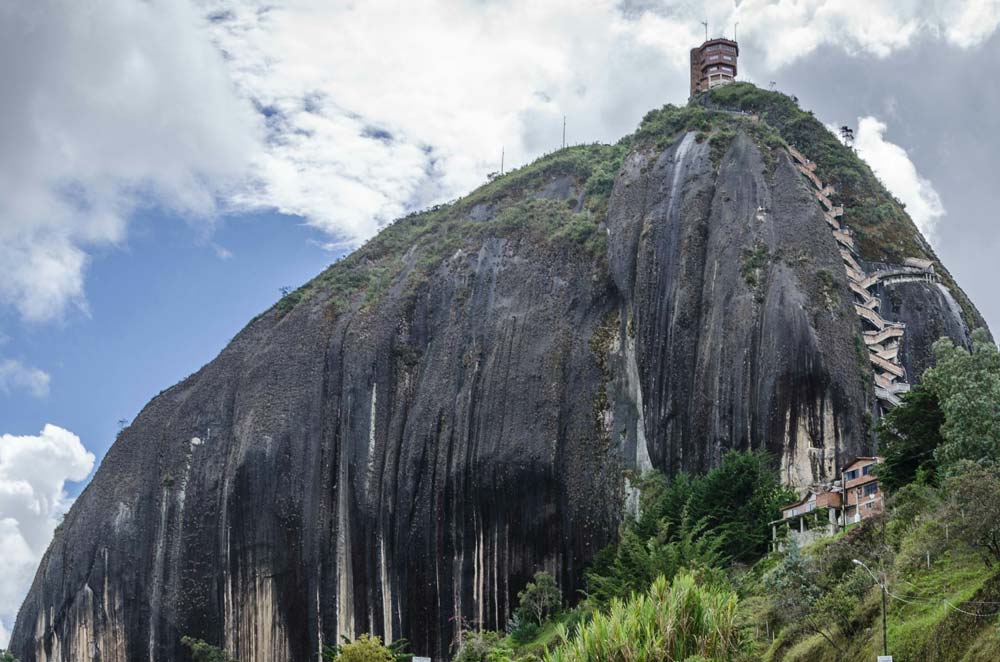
884	341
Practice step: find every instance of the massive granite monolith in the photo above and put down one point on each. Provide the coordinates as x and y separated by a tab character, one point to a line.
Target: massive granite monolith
398	446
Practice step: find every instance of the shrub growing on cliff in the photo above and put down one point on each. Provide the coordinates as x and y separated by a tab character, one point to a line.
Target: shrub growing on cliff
631	566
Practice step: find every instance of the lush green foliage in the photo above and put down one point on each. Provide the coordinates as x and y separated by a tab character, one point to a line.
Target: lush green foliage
908	436
734	502
671	621
367	648
539	599
967	385
818	606
205	652
7	656
483	646
816	594
630	566
698	523
950	419
974	509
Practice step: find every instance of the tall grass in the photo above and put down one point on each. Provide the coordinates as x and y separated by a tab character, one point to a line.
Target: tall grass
671	622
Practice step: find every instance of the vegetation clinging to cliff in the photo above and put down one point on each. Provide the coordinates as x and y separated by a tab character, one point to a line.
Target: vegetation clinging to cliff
771	119
883	230
509	206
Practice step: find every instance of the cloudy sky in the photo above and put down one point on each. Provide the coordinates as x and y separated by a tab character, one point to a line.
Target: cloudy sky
167	165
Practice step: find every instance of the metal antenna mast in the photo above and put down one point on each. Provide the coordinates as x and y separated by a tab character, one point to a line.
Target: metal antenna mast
705	23
564	131
735	25
501	160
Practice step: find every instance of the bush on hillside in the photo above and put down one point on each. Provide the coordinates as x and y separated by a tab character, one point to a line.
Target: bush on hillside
735	502
483	646
974	510
908	437
967	385
672	621
367	648
202	651
694	523
540	599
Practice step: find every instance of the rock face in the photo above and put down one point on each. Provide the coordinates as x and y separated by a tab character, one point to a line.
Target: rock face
402	463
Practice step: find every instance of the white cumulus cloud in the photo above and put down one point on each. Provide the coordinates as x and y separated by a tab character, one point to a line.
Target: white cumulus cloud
14	375
107	105
347	114
33	474
375	108
894	167
786	30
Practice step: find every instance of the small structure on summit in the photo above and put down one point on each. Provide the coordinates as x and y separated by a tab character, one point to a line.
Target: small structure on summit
713	63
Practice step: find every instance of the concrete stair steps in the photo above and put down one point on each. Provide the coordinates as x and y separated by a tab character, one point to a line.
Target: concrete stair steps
886	365
883	343
879	337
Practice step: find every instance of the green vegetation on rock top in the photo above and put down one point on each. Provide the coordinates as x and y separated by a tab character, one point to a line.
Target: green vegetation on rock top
883	230
510	206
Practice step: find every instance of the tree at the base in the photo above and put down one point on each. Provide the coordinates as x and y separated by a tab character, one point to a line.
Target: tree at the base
539	599
202	651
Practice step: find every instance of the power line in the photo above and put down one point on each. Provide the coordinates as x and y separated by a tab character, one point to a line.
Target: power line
913	599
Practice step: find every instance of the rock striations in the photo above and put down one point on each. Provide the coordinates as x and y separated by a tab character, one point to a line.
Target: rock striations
397	446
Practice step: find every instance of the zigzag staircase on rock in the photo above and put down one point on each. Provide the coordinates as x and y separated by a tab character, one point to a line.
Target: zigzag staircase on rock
882	337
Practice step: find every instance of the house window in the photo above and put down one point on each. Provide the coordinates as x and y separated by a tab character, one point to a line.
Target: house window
871	488
867	469
851	475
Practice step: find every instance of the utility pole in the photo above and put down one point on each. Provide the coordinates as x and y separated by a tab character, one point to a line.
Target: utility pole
501	161
564	132
885	642
705	23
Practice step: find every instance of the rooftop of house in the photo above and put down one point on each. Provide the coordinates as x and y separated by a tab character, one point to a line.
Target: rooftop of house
861	461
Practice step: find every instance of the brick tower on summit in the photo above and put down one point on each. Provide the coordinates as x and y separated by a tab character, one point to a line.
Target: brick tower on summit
713	63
